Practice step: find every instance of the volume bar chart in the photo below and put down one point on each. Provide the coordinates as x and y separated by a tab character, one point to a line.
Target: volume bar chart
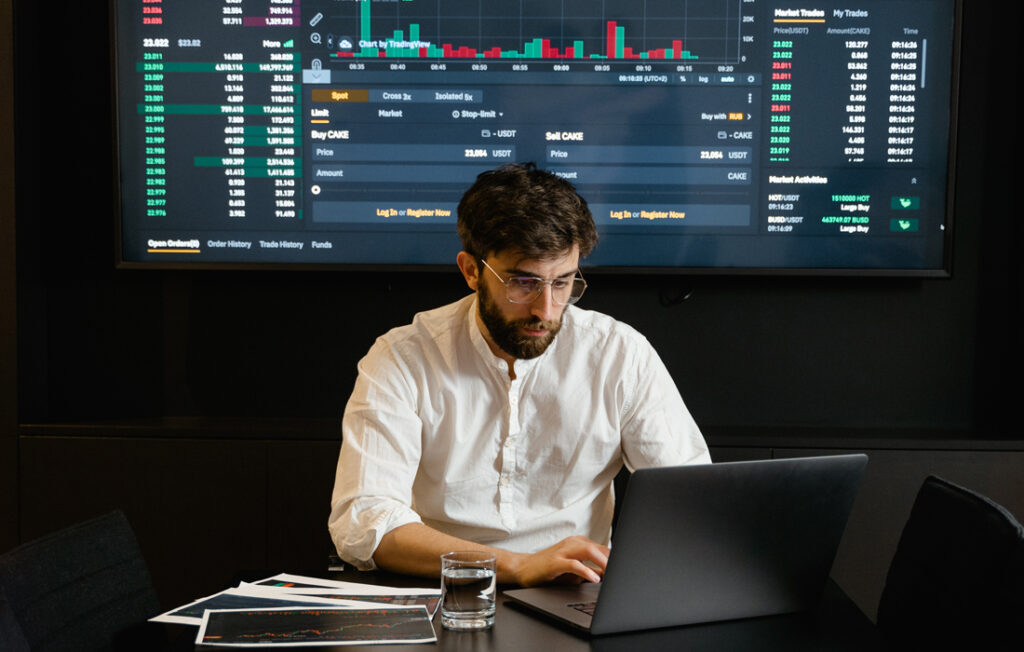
568	30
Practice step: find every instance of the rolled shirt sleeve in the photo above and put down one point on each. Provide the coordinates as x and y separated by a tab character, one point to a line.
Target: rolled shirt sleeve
657	428
379	457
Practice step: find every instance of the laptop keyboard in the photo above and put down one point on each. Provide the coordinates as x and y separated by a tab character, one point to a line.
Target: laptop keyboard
585	607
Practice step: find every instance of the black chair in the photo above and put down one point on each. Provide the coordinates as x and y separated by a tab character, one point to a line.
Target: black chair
957	578
12	639
82	589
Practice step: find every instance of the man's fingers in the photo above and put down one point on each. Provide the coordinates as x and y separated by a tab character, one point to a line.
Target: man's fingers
576	559
586	551
599	557
584	571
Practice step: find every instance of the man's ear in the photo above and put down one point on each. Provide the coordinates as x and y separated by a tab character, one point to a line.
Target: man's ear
470	271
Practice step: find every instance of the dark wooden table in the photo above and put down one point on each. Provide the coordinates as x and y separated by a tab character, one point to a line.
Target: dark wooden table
836	626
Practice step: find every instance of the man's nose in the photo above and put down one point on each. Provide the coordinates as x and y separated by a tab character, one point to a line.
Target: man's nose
544	306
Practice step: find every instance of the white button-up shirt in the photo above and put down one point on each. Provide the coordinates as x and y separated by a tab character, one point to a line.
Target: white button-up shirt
436	432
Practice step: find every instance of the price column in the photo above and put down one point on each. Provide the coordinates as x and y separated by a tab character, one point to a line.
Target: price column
780	108
155	127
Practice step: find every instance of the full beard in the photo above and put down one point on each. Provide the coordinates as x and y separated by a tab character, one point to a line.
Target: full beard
508	335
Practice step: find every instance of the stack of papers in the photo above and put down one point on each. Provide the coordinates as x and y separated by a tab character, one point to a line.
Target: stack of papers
292	610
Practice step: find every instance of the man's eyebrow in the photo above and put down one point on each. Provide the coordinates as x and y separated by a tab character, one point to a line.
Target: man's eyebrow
519	272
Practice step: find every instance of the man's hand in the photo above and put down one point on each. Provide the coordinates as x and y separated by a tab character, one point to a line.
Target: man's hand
573	560
415	549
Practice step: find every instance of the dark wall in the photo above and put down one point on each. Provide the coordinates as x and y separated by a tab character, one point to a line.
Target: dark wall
8	317
205	402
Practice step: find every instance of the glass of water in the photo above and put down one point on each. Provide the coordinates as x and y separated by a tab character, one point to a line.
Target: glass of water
467	590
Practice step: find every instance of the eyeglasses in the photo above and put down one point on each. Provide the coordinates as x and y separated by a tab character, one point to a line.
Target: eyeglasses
526	289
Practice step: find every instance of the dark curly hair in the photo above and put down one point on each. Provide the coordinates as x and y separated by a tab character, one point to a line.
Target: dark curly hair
521	208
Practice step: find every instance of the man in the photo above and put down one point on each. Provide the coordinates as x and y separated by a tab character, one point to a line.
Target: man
499	422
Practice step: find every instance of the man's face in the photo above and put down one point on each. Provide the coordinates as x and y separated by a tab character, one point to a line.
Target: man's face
523	330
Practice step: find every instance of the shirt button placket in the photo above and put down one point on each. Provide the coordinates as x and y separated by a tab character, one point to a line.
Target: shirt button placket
506	487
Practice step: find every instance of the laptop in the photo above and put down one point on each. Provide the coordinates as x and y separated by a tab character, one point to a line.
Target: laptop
711	542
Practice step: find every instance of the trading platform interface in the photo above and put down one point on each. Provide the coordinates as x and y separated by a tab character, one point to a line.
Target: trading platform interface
707	134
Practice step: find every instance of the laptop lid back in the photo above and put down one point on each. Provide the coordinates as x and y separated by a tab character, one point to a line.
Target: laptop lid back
714	542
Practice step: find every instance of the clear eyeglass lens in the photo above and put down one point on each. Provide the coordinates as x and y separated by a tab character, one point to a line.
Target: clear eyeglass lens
526	289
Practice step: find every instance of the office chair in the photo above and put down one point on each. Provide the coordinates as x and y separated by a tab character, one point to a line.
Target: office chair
11	637
957	578
83	589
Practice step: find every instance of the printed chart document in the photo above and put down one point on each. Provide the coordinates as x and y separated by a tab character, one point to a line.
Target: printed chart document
301	626
296	610
245	597
338	590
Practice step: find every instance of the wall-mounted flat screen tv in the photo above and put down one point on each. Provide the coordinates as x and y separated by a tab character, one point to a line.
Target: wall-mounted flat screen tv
708	136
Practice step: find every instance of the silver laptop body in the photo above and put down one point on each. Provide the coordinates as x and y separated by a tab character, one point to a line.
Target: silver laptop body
712	542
